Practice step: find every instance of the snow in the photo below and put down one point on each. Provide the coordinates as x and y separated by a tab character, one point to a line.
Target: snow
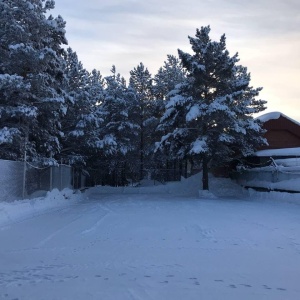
284	185
274	116
226	138
19	210
7	134
288	162
193	113
198	146
16	46
269	116
279	152
162	242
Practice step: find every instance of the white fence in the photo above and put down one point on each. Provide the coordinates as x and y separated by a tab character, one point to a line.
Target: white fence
18	181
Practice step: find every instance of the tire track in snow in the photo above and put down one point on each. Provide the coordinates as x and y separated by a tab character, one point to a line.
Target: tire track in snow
96	225
56	232
90	210
107	213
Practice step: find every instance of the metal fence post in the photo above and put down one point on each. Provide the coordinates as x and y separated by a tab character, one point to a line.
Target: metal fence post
24	170
61	183
24	174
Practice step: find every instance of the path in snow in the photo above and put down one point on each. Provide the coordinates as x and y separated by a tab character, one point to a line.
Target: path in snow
154	247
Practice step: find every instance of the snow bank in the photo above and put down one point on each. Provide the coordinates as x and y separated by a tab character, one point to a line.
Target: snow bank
284	185
274	197
288	162
192	186
21	209
187	186
279	152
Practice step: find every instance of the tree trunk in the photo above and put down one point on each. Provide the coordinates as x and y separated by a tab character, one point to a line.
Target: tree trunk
205	173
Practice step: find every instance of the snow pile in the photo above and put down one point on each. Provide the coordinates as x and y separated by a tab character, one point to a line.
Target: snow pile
205	194
192	186
22	209
225	187
284	185
288	162
189	186
279	152
273	197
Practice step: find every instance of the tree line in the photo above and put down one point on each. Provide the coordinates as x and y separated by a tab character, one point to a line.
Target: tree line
198	107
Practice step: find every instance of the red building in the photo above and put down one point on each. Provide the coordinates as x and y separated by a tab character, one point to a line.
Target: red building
281	131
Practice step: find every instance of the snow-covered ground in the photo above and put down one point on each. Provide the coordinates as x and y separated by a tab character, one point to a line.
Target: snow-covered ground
162	242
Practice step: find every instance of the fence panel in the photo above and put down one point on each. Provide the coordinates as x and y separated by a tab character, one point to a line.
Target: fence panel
37	181
46	179
61	177
272	179
11	180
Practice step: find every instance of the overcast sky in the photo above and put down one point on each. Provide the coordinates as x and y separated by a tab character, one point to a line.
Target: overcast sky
265	33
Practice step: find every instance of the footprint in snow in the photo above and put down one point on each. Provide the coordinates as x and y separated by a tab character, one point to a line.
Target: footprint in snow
246	285
267	287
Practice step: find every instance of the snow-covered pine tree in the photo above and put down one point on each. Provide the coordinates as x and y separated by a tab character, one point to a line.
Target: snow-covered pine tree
141	87
118	132
116	109
32	100
93	115
84	117
210	115
167	77
77	82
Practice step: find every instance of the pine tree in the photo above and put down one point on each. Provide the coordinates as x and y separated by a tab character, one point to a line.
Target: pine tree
118	131
118	126
210	115
141	88
84	116
32	100
167	77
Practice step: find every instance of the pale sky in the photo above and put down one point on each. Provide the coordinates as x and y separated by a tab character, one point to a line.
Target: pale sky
265	33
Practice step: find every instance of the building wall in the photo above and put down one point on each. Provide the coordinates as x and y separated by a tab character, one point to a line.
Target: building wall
278	139
281	133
